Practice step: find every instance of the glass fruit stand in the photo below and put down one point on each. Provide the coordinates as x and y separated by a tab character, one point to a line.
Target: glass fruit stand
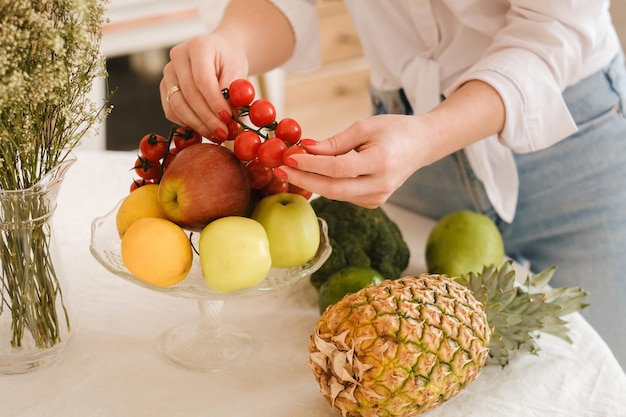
206	344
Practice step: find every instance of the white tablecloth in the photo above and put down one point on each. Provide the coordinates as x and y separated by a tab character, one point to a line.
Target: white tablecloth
112	367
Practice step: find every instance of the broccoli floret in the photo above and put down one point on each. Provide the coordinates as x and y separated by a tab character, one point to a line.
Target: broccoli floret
360	237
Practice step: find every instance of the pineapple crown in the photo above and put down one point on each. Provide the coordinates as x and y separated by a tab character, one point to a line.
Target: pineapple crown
518	313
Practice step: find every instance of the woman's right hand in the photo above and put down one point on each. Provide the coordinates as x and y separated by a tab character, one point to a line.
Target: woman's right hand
201	67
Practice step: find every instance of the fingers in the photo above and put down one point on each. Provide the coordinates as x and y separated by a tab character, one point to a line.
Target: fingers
170	91
174	100
185	105
352	138
361	178
351	153
178	110
362	190
191	94
364	164
200	82
348	165
164	88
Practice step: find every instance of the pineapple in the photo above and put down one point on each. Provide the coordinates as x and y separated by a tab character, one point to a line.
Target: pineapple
405	346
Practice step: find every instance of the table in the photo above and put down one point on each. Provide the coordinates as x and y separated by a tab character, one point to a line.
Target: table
112	367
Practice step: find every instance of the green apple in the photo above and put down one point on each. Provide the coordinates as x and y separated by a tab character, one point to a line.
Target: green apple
204	182
291	226
234	253
462	242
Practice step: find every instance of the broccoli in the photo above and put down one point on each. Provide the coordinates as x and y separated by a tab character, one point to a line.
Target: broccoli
360	236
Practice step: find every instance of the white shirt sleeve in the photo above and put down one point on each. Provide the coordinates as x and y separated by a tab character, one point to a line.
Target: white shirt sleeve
531	61
302	14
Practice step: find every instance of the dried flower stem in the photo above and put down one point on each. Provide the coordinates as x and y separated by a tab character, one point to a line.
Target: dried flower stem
49	59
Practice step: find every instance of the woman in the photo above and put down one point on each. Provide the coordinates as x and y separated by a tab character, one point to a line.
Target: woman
511	108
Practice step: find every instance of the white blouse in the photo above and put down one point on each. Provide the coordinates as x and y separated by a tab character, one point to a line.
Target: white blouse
529	50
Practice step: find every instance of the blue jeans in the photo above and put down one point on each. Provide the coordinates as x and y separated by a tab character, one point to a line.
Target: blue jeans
571	211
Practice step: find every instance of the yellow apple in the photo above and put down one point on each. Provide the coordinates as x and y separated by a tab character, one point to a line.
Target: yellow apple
234	253
291	226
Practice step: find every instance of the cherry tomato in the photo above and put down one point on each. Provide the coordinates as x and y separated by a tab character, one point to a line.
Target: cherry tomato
275	186
262	113
241	93
292	150
139	182
152	147
169	158
246	145
173	150
271	151
147	169
260	175
184	137
297	190
288	130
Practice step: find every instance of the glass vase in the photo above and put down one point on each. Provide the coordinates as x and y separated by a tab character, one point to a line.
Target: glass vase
34	319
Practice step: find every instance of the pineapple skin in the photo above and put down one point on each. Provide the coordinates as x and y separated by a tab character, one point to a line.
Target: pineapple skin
399	348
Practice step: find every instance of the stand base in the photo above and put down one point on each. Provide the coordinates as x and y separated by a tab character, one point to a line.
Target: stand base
193	347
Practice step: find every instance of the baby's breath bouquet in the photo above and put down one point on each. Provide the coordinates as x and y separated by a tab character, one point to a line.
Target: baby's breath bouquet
49	60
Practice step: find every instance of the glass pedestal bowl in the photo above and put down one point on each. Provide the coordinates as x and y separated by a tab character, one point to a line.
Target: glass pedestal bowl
206	344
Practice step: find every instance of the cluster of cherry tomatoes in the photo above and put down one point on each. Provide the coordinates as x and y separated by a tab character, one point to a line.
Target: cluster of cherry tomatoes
260	141
156	152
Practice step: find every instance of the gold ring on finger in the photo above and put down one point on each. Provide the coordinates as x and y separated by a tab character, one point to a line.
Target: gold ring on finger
171	91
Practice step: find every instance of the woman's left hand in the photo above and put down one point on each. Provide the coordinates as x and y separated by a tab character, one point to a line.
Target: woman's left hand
373	157
365	163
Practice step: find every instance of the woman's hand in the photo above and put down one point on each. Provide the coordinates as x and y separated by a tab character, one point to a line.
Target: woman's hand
365	163
371	159
253	37
201	68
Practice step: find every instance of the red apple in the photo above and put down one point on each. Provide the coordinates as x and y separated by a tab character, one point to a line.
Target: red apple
204	182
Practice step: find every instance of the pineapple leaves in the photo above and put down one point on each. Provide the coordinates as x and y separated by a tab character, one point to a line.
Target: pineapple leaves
537	282
517	313
569	299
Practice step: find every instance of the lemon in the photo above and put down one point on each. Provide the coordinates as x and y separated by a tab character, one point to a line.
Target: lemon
157	251
349	279
143	202
463	242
